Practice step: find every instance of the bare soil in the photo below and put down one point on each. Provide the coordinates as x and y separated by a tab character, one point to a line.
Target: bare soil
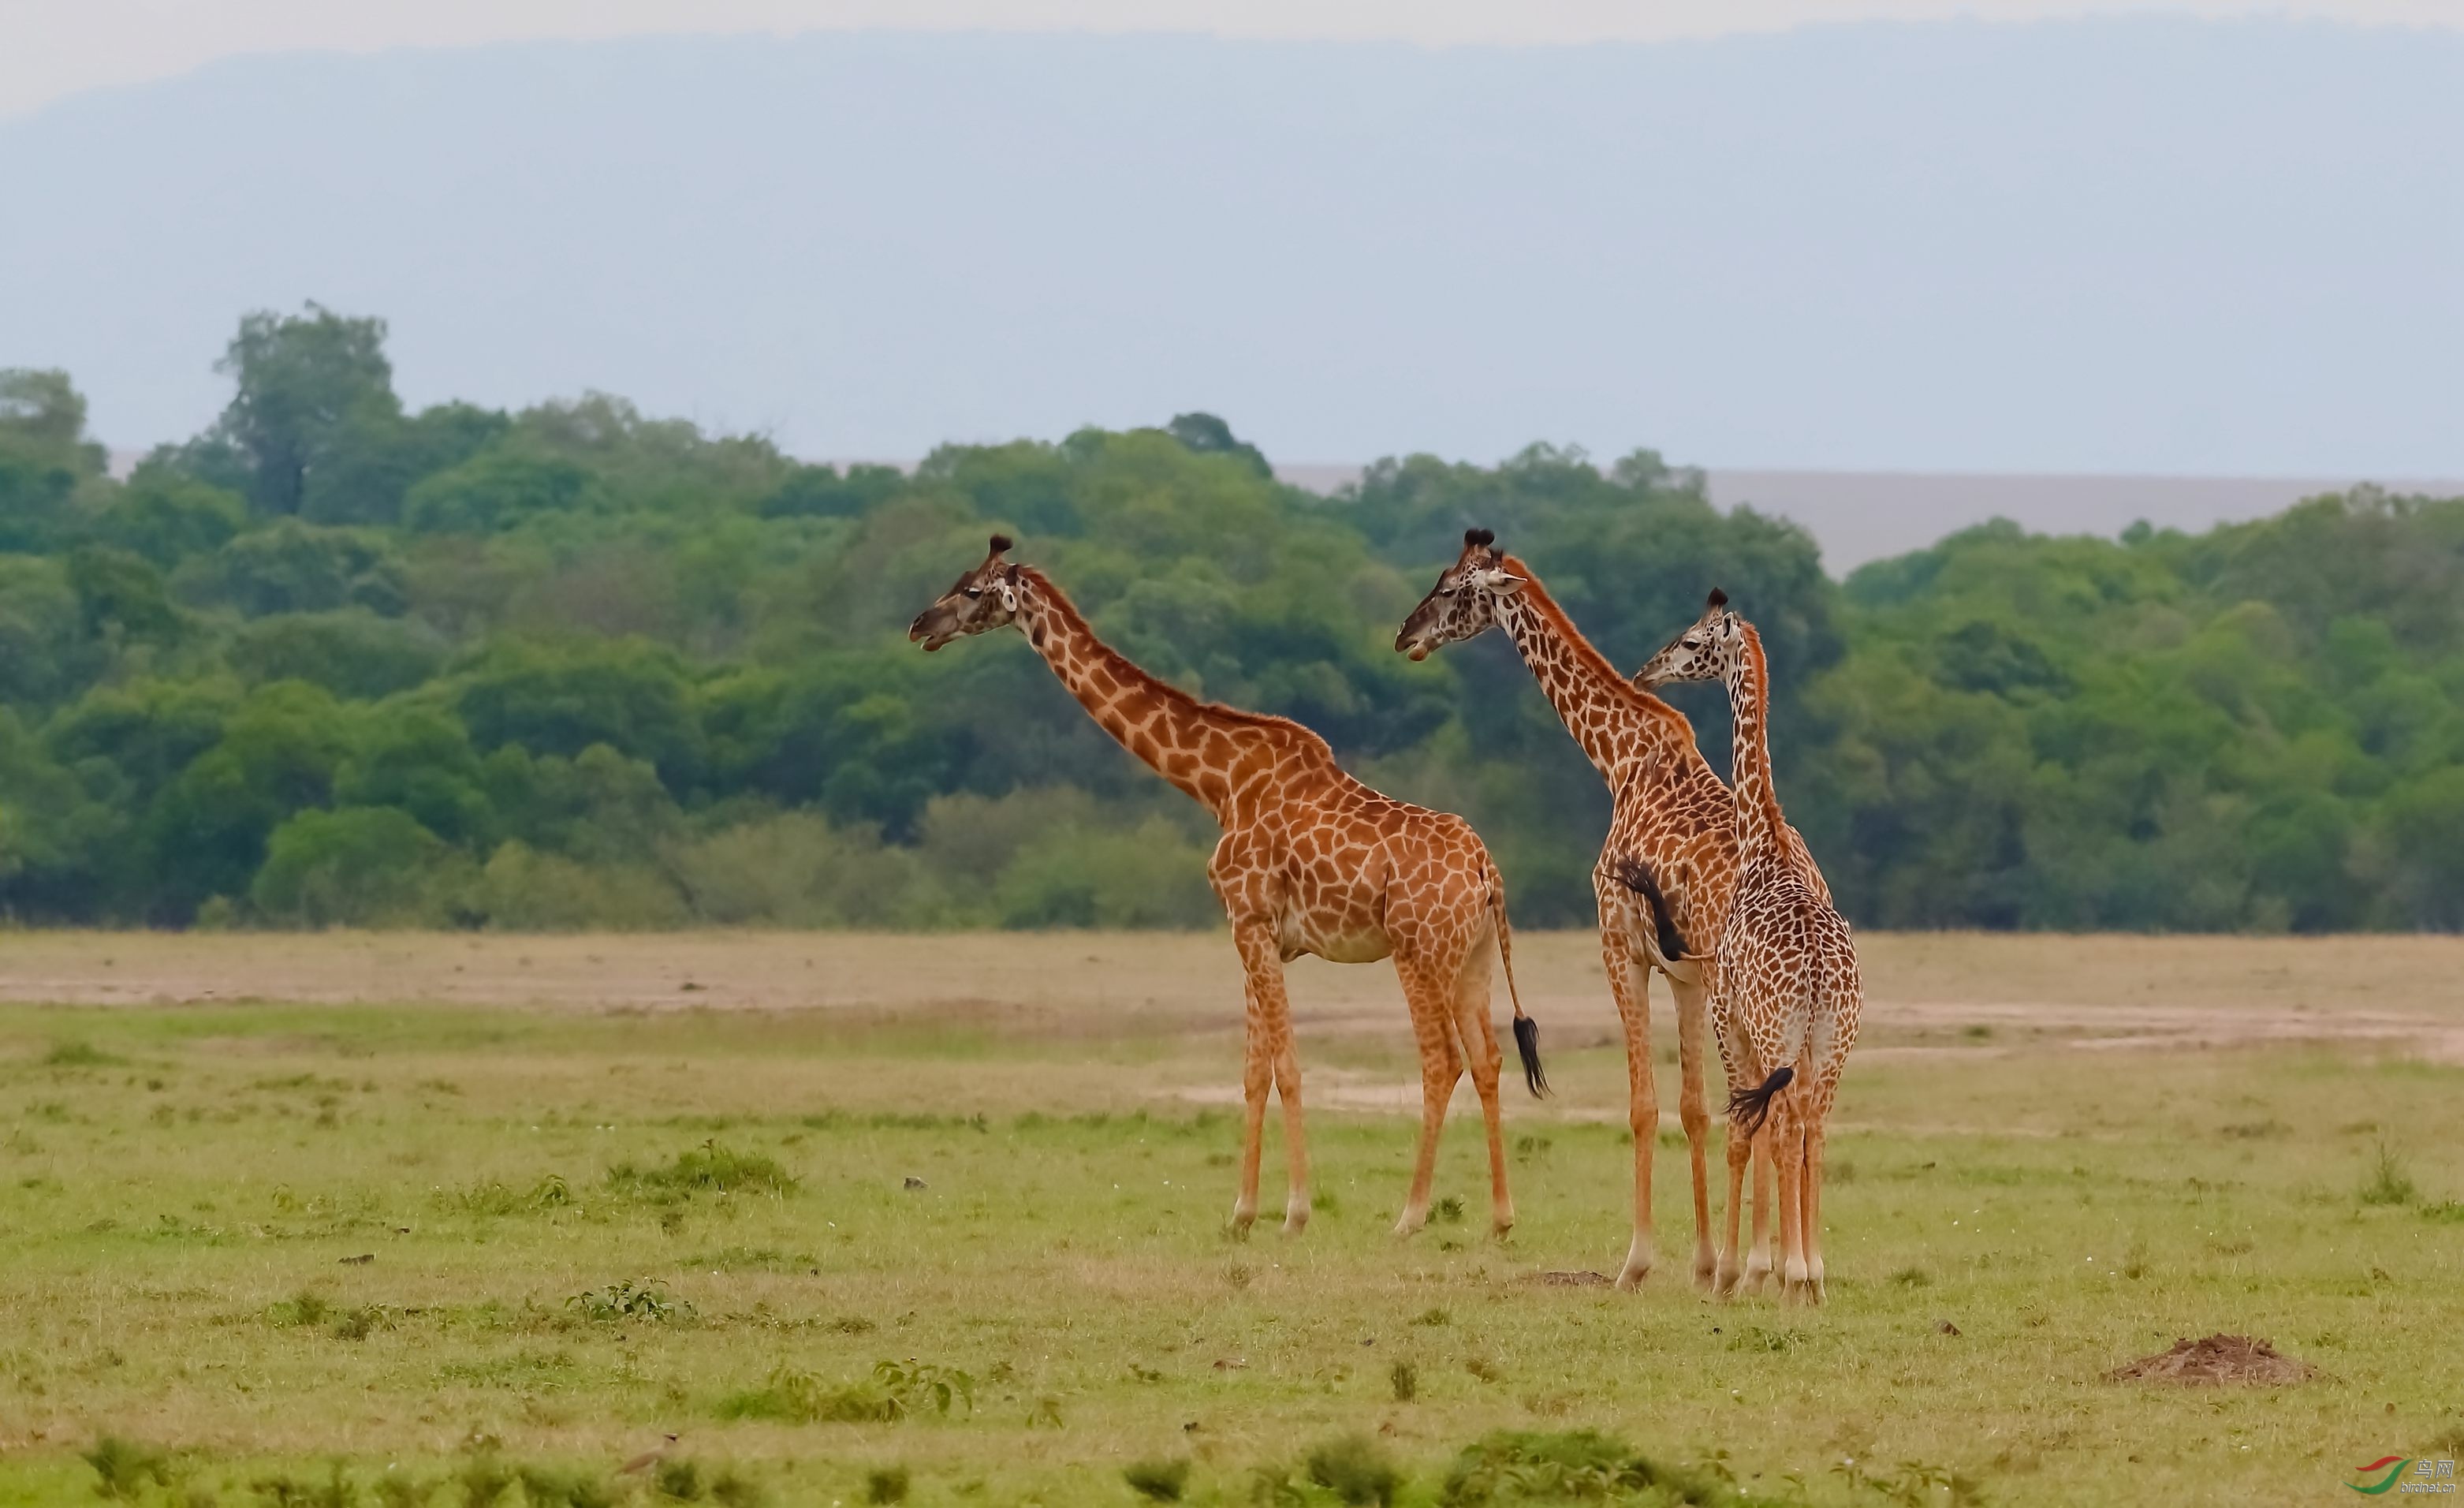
2217	1358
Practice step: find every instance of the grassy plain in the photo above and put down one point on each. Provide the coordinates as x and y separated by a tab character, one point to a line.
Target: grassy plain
272	1204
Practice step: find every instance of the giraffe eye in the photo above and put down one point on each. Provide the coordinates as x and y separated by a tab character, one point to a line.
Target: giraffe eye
1446	591
972	593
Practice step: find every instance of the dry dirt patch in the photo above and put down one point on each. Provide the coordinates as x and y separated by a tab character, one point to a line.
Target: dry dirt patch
2217	1358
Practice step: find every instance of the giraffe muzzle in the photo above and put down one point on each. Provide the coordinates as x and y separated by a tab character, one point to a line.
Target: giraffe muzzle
924	630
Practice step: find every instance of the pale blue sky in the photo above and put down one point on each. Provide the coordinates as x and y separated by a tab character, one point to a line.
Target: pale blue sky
2123	245
57	48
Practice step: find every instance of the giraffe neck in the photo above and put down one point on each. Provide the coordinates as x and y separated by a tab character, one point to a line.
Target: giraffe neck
1616	724
1758	814
1197	746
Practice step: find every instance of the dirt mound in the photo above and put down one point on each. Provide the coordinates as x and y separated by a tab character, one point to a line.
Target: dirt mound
2218	1359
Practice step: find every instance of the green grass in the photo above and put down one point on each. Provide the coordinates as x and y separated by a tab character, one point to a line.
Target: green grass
396	1254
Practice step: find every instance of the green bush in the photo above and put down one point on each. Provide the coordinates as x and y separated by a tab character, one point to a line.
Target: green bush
359	866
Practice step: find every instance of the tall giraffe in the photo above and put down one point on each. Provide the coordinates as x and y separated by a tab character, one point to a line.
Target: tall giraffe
1671	836
1786	994
1310	861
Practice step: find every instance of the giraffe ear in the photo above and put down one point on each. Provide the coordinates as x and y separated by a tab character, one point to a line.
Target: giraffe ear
1003	545
1719	598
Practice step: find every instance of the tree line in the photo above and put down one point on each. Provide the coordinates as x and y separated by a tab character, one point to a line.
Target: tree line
333	661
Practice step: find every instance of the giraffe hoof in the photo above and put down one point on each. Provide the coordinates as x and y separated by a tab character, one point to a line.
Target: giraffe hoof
1409	1225
1296	1219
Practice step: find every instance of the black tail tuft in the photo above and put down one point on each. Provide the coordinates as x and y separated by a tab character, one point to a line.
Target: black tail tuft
1526	1042
1749	1108
1636	875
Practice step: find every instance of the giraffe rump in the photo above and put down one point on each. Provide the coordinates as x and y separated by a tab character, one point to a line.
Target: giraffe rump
1750	1108
1636	875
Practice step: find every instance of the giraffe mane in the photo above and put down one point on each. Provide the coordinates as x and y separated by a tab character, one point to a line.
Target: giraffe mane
1131	672
1588	654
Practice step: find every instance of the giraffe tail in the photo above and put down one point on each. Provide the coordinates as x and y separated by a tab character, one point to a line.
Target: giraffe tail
1526	1032
1749	1108
1636	875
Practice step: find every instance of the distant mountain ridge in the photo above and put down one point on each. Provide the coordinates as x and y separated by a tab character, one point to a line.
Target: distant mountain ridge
2108	246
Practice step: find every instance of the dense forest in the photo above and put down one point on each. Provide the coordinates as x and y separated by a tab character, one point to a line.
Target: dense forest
337	662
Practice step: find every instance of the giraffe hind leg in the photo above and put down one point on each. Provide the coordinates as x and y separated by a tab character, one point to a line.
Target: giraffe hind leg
1477	1035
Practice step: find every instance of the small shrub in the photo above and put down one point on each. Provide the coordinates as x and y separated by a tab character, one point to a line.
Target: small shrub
708	1168
679	1481
398	1490
1433	1317
302	1308
2390	1181
1405	1379
885	1485
1912	1277
284	1490
122	1468
483	1479
357	1324
625	1299
1449	1211
495	1197
1158	1481
74	1053
894	1391
2134	1259
545	1487
729	1490
1581	1466
1356	1468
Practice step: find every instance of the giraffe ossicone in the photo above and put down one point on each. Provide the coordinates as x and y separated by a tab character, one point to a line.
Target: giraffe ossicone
1311	861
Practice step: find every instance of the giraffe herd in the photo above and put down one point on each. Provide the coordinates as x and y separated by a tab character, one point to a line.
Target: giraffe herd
1706	886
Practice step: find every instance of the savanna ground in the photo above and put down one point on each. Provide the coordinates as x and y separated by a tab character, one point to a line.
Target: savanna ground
401	1219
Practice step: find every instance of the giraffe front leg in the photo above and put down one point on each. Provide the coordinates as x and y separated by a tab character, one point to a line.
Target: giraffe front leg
1696	1117
1631	987
1264	987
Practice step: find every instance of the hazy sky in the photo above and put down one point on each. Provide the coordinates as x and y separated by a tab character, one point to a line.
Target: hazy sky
56	47
2143	244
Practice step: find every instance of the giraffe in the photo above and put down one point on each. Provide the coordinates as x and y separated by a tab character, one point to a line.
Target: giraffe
1310	861
1786	995
1671	836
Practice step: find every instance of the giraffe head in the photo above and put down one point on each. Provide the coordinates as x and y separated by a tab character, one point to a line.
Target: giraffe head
1463	603
1709	645
983	599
